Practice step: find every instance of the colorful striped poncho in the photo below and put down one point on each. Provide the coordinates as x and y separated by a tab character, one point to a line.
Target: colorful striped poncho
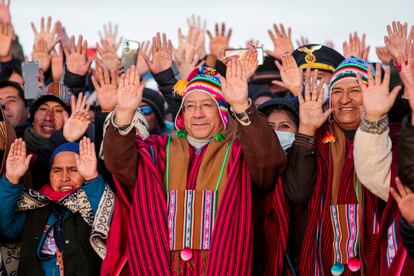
148	245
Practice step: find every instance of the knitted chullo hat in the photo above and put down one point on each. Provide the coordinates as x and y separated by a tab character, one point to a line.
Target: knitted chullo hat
202	79
349	68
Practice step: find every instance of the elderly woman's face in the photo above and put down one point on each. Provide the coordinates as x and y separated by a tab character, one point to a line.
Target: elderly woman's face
201	116
64	175
280	120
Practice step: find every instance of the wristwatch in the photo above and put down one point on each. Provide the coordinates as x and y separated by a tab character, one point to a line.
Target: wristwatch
243	118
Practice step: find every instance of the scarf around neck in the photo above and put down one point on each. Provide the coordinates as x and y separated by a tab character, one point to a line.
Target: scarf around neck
33	140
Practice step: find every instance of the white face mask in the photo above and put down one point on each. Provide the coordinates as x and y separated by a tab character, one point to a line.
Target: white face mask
286	138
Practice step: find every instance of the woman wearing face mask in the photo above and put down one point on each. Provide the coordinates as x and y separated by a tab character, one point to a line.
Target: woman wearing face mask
283	117
283	209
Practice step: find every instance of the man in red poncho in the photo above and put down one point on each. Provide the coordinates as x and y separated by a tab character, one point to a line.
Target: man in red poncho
191	211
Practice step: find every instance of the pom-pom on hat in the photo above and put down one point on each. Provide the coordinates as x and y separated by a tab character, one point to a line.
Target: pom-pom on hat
202	79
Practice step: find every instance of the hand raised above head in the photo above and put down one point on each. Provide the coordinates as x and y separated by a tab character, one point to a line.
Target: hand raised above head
106	85
161	54
129	96
86	161
311	114
397	40
290	73
76	125
77	61
220	41
47	33
234	86
17	162
376	97
355	46
282	41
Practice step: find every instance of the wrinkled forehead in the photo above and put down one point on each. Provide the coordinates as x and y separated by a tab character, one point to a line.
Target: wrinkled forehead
64	159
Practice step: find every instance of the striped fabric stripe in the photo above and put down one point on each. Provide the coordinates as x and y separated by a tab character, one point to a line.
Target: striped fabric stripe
148	241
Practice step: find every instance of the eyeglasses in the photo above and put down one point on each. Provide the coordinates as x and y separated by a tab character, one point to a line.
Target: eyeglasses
145	110
205	107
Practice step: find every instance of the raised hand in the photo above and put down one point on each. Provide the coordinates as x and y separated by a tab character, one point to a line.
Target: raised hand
86	160
110	36
41	54
407	77
252	43
290	73
188	46
234	86
17	162
129	96
220	41
302	41
6	39
200	26
282	41
376	97
48	34
76	60
311	113
355	46
161	51
144	51
187	65
107	56
383	54
78	122
249	61
405	200
57	63
5	11
397	41
105	83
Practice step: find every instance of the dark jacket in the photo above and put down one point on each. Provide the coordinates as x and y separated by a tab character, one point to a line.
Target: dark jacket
406	174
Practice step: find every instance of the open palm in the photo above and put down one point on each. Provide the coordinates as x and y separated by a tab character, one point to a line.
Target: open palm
129	94
86	160
376	97
17	162
78	122
311	113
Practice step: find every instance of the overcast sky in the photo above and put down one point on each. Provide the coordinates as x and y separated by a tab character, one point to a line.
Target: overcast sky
318	20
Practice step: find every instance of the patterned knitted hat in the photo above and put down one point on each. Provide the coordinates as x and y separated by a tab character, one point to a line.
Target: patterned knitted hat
349	68
202	79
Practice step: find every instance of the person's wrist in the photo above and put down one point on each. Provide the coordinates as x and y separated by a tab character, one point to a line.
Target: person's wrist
296	90
374	117
91	177
307	130
240	107
13	179
124	116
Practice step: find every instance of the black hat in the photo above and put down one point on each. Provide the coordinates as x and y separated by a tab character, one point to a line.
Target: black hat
316	56
280	104
6	83
256	91
267	72
156	101
52	93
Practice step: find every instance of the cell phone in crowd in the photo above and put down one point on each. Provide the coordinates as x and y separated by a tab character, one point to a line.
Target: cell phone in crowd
129	53
30	70
242	51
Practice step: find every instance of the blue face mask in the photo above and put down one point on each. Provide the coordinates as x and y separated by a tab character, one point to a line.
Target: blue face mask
286	138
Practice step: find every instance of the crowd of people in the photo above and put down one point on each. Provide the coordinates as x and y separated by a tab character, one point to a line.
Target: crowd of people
193	162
